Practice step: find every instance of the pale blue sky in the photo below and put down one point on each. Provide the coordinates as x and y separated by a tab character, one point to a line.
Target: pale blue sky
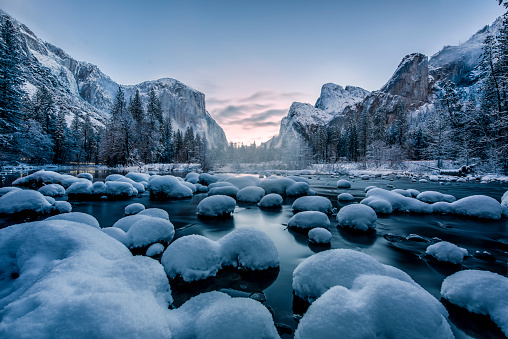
252	58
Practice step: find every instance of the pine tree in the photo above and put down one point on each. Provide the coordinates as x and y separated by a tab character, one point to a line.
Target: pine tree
136	108
59	138
10	93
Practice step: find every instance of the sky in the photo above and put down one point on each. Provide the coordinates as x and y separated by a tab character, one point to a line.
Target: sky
252	59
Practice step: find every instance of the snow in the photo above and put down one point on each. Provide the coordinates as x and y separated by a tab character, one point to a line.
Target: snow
23	201
5	190
433	196
319	235
138	177
99	188
309	219
113	177
138	186
272	200
207	179
226	190
375	307
217	205
192	187
86	176
168	186
243	181
116	188
117	233
315	203
78	217
195	257
298	188
154	249
357	216
134	208
155	212
479	292
192	177
276	185
52	190
250	194
80	187
220	184
69	181
149	230
343	184
383	201
479	206
339	267
446	251
76	282
345	197
61	207
404	193
504	199
201	188
126	222
39	178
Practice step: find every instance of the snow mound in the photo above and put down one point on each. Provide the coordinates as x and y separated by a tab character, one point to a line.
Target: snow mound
357	216
446	251
343	184
79	217
195	257
345	197
201	188
192	187
61	207
394	200
276	185
298	179
309	219
117	233
314	203
52	190
340	267
504	199
404	193
120	189
207	179
192	177
375	307
319	235
5	190
149	230
155	212
99	188
226	190
272	200
480	292
479	206
250	194
414	193
86	176
69	181
138	186
24	201
243	181
298	188
154	249
134	208
83	187
40	178
55	272
217	205
138	177
433	196
220	184
168	186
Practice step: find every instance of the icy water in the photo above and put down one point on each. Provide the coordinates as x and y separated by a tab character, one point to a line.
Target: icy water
388	244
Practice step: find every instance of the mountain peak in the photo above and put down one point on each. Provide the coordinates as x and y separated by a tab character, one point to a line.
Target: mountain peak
334	98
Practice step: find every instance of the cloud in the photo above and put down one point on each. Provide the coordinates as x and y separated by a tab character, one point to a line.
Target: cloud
259	118
236	111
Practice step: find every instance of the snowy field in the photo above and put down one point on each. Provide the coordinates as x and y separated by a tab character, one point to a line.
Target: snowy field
324	252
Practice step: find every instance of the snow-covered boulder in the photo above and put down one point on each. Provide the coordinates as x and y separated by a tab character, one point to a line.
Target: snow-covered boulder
138	177
243	181
342	183
375	307
357	216
192	177
192	187
138	186
272	200
433	196
479	292
120	189
394	200
201	188
168	186
99	188
250	194
319	235
79	217
216	206
154	249
298	188
113	177
207	179
134	208
149	230
478	206
5	190
40	178
73	271
24	201
117	233
85	175
155	212
314	203
60	207
404	193
52	190
231	191
276	185
345	197
80	188
298	179
504	199
220	184
414	193
309	219
446	251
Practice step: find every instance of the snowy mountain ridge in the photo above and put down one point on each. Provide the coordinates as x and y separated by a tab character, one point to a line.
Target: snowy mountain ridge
83	89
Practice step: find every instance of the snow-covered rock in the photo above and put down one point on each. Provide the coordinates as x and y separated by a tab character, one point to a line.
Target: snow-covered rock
52	190
393	201
446	251
79	217
250	194
433	196
479	292
24	201
40	178
120	189
155	212
217	205
220	184
479	206
154	249
5	190
134	208
404	193
342	183
272	200
345	197
150	230
309	219
276	185
207	178
138	186
231	191
319	235
334	98
138	177
168	186
192	177
86	176
298	188
357	216
61	207
313	203
192	187
83	187
243	181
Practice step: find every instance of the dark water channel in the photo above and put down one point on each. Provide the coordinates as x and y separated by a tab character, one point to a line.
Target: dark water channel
388	244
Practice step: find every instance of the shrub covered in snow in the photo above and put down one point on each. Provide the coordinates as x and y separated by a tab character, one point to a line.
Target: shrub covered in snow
479	292
446	251
168	186
24	201
345	197
433	196
250	194
134	208
315	203
272	200
342	183
217	205
309	219
357	216
226	190
319	235
52	190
